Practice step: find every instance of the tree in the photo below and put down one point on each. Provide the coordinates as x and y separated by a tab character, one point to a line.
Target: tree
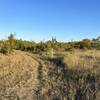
86	44
53	43
11	41
5	48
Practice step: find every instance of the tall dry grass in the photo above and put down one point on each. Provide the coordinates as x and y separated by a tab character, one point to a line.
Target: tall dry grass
75	76
83	59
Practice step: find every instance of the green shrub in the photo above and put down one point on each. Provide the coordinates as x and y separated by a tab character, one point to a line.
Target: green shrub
5	49
57	60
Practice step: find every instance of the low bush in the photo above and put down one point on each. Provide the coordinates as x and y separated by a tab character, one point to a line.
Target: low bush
5	49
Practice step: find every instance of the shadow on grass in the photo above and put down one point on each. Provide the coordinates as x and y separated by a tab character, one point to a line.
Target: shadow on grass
71	84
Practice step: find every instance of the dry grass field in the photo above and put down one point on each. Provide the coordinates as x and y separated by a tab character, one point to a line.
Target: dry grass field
85	66
17	76
73	76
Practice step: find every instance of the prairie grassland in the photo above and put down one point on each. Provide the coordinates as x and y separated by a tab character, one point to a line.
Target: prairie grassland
70	76
85	73
83	59
17	76
74	76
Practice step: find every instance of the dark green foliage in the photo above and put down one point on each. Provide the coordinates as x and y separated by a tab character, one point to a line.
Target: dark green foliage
56	60
47	46
5	48
8	45
86	44
11	41
25	45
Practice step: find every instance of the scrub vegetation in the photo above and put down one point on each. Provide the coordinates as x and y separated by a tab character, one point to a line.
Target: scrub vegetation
49	70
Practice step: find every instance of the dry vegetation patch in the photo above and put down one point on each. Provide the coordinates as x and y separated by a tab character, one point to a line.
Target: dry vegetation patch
73	76
17	74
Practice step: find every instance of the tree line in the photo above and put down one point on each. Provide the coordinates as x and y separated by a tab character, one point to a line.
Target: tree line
11	44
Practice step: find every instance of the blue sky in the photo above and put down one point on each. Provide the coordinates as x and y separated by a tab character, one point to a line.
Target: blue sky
41	19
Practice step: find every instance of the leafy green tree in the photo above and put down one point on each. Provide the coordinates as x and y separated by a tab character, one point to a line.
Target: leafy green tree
11	41
5	48
86	44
